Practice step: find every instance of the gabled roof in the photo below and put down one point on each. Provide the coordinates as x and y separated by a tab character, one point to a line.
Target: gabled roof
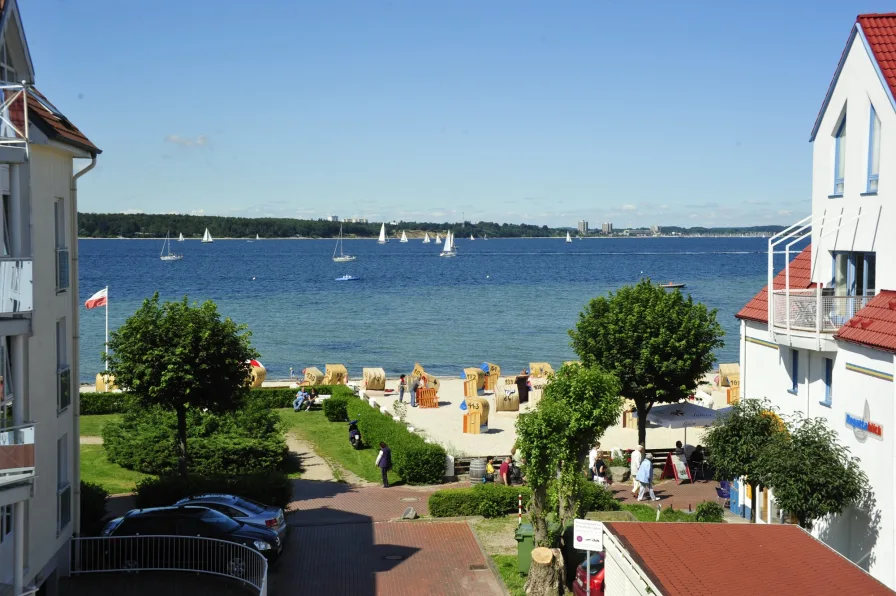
767	559
874	325
800	279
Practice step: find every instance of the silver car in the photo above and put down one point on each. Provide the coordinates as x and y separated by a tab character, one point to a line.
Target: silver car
243	510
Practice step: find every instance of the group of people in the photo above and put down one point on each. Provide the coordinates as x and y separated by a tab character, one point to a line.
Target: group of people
510	470
641	470
419	382
304	399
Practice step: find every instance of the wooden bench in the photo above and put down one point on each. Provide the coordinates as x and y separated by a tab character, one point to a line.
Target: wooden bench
427	398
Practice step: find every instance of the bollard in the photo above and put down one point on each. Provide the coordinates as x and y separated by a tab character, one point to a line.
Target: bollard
519	510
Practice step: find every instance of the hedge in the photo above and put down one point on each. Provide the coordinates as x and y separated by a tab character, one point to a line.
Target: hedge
336	409
487	500
270	488
709	511
93	508
273	397
415	460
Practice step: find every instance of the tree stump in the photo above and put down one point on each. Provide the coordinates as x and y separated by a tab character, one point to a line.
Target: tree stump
546	574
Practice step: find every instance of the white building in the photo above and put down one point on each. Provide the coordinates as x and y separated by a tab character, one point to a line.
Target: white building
39	479
332	218
607	228
824	344
583	226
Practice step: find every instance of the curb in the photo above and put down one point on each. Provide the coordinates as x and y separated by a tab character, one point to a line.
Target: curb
488	560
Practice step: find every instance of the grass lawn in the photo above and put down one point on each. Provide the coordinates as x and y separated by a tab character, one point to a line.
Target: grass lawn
647	513
92	426
330	441
97	469
507	567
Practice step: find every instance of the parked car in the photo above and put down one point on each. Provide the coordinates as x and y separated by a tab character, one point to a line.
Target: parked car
597	576
189	521
243	510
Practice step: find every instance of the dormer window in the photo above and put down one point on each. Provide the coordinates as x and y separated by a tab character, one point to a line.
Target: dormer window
7	72
873	152
840	157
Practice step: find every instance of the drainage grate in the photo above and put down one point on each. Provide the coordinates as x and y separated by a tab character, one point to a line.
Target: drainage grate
478	567
393	557
409	499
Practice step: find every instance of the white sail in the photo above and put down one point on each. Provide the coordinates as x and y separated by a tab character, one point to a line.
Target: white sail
207	237
438	239
485	236
166	254
382	239
449	250
568	239
404	237
341	258
471	237
180	238
257	237
426	239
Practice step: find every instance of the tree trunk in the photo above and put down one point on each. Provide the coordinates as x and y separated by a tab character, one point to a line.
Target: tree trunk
539	525
643	408
754	500
181	440
546	573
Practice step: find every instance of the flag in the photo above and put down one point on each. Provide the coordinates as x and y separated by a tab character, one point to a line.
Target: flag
97	300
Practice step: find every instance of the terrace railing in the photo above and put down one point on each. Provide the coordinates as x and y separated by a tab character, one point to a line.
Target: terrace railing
810	310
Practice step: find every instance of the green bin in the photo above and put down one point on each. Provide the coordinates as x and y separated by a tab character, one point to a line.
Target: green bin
525	542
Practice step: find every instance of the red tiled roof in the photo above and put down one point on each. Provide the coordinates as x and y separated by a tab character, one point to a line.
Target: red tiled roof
874	325
800	272
880	31
747	559
59	126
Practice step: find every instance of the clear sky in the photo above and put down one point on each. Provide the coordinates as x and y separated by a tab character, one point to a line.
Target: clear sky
676	113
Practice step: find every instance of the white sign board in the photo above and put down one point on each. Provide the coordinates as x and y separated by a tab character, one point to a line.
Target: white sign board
588	535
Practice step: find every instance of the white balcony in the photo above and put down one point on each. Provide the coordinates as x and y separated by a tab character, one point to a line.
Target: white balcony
812	311
16	454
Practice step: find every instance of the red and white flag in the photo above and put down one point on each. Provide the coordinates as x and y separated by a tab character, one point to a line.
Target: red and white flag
97	300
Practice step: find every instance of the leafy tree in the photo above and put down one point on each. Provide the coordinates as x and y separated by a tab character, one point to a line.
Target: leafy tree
578	405
657	343
811	474
736	442
181	356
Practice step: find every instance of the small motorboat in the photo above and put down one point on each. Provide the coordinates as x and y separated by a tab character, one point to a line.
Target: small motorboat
347	277
672	286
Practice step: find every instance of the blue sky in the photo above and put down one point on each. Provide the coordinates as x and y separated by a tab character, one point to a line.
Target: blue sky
544	112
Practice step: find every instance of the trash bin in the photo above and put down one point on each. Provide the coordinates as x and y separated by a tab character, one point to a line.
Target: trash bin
525	542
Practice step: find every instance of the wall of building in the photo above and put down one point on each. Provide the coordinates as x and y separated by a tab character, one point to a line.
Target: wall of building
857	88
50	174
621	576
762	373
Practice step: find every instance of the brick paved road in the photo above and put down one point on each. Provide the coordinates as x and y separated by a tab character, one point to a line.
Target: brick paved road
679	496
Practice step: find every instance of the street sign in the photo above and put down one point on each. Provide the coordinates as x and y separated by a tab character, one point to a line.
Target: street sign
589	535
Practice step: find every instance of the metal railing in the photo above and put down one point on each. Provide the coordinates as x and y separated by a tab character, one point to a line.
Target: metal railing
170	553
14	115
16	453
807	310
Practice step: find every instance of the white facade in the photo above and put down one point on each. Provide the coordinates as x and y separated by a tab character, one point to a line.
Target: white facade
39	467
795	359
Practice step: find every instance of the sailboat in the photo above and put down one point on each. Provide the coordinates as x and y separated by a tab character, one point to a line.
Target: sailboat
568	239
207	238
449	249
342	258
404	237
257	237
426	239
382	239
471	237
166	254
180	238
438	239
485	236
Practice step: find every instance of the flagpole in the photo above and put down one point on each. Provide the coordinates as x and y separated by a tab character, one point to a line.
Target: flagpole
107	323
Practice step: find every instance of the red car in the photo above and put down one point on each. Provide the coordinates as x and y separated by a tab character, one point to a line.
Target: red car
597	577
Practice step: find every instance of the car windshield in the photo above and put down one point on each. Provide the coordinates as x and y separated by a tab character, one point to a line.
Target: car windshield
221	522
597	563
250	506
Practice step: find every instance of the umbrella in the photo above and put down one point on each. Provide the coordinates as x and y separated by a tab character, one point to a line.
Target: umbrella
682	415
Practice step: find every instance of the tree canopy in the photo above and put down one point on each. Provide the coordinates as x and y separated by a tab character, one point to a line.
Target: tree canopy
179	356
656	342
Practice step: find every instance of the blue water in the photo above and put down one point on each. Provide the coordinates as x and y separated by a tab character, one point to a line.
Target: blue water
507	301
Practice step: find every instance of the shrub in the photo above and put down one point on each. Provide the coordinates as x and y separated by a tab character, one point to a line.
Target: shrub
709	511
110	402
597	498
487	500
673	515
415	460
336	409
93	508
270	488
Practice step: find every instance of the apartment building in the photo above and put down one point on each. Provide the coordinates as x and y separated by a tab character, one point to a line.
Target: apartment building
39	479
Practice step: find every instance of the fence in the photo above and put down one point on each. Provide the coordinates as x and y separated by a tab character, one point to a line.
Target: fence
170	553
809	311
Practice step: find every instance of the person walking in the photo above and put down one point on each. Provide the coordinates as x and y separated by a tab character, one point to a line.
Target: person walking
645	477
384	462
402	385
637	456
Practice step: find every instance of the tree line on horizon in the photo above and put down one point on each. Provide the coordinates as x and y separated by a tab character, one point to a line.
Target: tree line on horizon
152	225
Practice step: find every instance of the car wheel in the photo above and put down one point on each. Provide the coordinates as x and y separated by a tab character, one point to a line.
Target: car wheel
236	567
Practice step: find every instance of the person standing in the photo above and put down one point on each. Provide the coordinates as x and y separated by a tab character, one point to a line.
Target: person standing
414	386
637	456
402	385
645	477
592	460
504	472
384	462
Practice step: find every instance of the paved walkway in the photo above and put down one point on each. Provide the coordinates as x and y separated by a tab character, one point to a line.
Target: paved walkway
679	496
313	466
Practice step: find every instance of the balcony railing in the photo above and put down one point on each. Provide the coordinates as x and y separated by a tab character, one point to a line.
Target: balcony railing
16	453
13	115
16	286
809	310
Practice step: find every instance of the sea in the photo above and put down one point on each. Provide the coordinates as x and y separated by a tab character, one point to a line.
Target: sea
506	301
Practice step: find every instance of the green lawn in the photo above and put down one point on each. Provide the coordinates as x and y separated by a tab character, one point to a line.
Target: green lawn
330	440
507	567
647	513
92	426
97	469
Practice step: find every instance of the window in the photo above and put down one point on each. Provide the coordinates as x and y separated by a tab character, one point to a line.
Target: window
63	371
854	274
7	72
62	275
5	523
794	371
873	152
63	486
839	157
828	379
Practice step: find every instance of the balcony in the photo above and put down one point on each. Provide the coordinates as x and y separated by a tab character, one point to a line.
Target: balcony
16	453
16	286
812	311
